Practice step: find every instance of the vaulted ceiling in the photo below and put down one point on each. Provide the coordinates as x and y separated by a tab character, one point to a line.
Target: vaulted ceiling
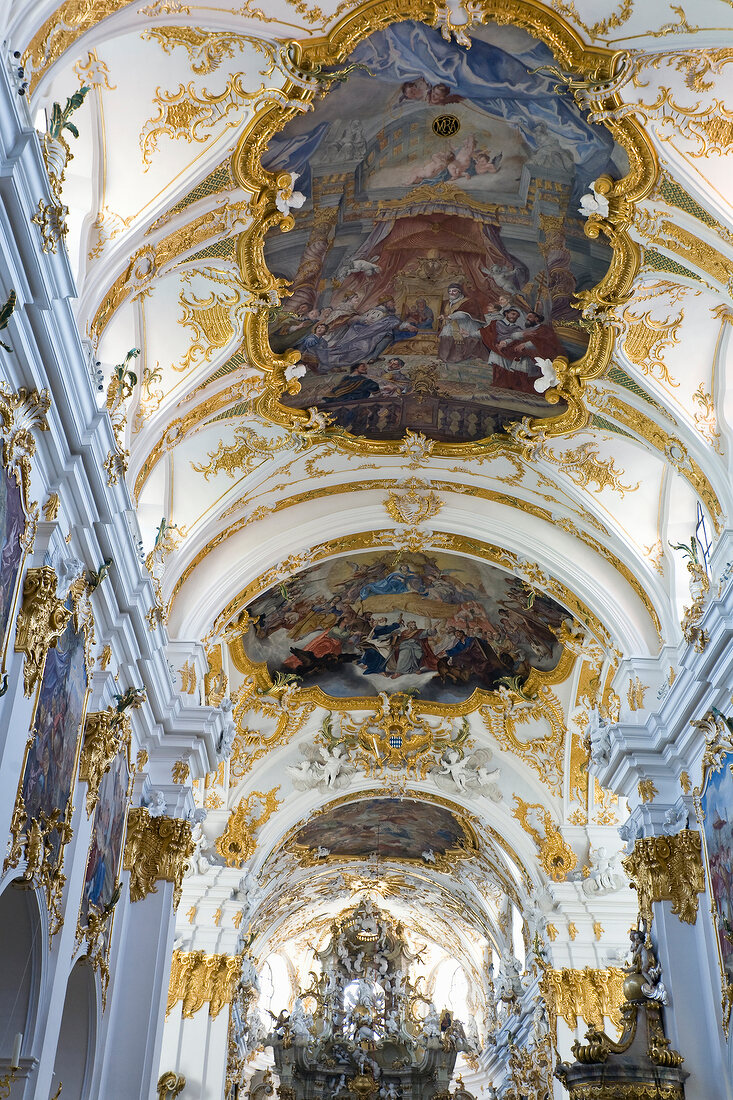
168	207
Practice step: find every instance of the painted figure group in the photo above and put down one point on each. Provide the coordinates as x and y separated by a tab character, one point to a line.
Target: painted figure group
407	619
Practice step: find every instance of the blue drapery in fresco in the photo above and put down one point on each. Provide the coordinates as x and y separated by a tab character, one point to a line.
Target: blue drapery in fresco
497	82
294	154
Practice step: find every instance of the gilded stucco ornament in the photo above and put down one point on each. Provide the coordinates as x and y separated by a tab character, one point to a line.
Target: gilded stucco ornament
593	71
590	994
42	620
237	843
556	856
36	845
699	589
106	732
22	413
197	979
156	848
667	868
641	1064
170	1085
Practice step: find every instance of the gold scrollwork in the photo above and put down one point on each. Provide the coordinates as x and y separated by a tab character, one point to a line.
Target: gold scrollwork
105	733
170	1085
593	69
22	414
556	856
237	843
667	868
156	848
198	978
42	620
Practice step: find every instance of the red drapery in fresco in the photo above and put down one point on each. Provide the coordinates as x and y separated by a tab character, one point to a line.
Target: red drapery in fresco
466	243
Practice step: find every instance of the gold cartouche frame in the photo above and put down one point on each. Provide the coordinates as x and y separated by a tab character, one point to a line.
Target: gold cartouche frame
592	68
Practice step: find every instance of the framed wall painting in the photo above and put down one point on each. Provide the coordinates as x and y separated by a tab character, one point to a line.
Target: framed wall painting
44	806
714	806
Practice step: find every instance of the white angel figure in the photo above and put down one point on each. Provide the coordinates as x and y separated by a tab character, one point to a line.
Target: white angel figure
593	203
549	375
288	198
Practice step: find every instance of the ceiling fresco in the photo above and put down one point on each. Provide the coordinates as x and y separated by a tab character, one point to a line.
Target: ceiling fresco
440	219
391	828
435	625
440	247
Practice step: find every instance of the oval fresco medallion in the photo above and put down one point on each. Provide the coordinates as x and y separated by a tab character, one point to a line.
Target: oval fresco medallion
436	625
434	264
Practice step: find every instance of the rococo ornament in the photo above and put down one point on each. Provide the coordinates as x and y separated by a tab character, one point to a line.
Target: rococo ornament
198	978
22	414
667	868
556	856
156	848
106	732
641	1064
42	620
237	843
593	995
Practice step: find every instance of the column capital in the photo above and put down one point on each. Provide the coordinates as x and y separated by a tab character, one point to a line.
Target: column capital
198	978
667	868
156	848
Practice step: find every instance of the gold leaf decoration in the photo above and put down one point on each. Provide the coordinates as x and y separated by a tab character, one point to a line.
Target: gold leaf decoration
237	842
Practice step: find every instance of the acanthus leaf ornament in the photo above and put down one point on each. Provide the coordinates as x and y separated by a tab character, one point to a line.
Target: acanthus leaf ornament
667	868
589	994
42	620
105	733
22	414
156	848
198	978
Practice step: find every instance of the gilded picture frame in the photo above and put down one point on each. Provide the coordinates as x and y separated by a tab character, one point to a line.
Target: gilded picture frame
40	835
233	622
104	896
